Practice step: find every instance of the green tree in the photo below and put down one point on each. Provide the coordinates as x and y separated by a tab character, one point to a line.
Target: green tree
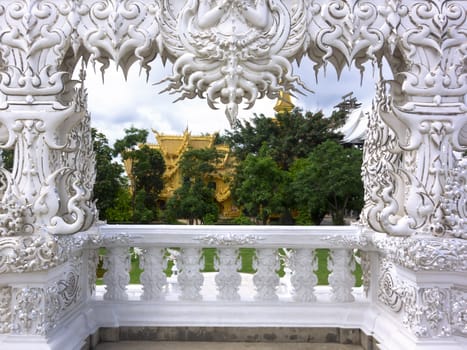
312	207
133	137
329	180
259	187
109	176
122	210
195	198
287	137
147	169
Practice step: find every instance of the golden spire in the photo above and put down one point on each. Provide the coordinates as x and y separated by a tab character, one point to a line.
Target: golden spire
284	103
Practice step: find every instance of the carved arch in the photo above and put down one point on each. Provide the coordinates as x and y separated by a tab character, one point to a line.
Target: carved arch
420	114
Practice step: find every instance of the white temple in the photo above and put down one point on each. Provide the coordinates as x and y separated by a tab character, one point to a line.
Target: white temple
411	240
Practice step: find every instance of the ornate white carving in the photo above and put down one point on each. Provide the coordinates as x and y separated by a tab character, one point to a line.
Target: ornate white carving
389	290
303	263
459	311
190	278
228	279
60	296
231	239
29	253
359	240
5	309
454	205
233	51
93	262
425	254
29	311
153	278
364	259
266	280
341	262
116	278
425	311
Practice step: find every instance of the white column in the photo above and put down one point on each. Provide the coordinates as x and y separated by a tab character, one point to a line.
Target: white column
266	279
228	278
117	277
341	279
190	278
153	277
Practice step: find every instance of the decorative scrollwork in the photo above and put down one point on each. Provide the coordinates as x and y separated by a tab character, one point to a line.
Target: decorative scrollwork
231	239
389	290
425	254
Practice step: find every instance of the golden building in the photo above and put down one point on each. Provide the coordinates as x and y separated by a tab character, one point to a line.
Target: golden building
172	148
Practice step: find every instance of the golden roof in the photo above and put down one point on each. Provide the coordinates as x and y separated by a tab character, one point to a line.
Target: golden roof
284	103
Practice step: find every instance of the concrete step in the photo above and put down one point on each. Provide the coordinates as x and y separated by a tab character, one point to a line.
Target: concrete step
187	345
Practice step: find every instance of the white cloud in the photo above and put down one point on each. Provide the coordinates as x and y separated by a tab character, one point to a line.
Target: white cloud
118	104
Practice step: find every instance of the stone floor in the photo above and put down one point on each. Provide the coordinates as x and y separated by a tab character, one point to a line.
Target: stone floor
162	345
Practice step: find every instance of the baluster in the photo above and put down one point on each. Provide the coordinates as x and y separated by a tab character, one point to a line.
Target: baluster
341	280
93	262
266	279
153	277
304	263
190	278
117	276
228	278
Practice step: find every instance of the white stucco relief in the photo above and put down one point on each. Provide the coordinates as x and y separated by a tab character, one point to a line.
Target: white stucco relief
231	53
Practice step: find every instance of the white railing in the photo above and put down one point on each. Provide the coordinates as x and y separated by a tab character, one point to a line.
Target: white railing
290	249
188	296
392	302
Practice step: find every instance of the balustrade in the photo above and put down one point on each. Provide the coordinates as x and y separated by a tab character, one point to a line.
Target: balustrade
284	265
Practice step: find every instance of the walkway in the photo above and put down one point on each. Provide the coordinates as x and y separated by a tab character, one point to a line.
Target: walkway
141	345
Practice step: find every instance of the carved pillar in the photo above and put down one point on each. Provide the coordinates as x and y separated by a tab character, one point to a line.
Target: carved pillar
420	284
228	278
153	277
117	276
341	262
190	278
424	107
266	280
304	280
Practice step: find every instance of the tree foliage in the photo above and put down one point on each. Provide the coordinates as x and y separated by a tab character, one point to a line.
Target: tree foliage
109	176
133	136
259	187
329	180
287	137
195	198
147	169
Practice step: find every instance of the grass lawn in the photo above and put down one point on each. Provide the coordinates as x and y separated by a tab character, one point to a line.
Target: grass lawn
247	255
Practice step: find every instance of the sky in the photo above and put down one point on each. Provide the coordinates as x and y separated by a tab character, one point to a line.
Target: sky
116	104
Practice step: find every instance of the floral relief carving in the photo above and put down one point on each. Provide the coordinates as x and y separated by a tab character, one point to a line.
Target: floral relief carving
425	254
5	309
454	206
228	279
153	278
389	292
117	276
459	312
189	277
341	263
29	311
230	239
266	280
303	263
